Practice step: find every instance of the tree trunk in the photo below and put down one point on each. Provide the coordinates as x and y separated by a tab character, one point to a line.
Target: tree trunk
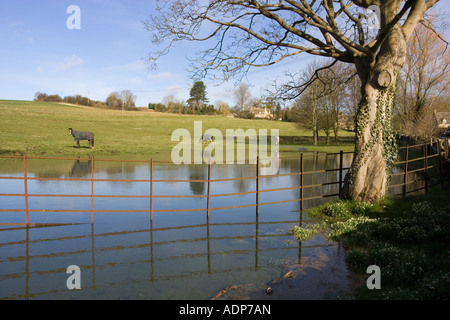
376	150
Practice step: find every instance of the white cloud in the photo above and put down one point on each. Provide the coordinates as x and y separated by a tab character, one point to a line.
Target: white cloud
69	63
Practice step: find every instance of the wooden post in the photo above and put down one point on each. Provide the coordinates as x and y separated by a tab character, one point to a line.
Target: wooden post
405	177
301	182
92	190
25	189
257	185
151	191
341	160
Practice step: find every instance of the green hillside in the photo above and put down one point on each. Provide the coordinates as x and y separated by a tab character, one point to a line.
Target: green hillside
41	129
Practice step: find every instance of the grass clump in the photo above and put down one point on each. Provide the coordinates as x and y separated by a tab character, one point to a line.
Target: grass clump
338	218
305	233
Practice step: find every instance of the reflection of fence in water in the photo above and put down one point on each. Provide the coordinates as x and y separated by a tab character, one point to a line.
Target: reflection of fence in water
81	169
419	168
311	186
35	268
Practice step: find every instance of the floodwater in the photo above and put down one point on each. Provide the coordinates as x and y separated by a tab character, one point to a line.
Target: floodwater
180	254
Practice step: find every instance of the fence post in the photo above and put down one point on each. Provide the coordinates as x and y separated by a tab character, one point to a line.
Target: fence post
25	189
446	160
441	168
151	222
209	188
92	190
446	149
425	160
151	191
301	182
405	177
341	160
257	185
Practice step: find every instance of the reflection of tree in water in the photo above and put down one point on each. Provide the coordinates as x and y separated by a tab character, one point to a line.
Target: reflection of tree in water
197	188
121	168
83	168
243	185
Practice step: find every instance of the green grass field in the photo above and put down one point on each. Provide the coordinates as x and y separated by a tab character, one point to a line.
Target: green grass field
41	129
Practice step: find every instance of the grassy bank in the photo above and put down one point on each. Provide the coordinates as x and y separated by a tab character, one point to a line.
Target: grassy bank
41	129
408	238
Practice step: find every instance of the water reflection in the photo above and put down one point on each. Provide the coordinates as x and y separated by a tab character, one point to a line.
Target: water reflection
125	186
184	262
188	253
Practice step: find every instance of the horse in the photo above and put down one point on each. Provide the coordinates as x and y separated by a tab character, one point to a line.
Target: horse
82	135
206	137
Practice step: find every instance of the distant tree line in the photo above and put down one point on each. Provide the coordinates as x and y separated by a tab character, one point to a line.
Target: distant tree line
198	103
124	100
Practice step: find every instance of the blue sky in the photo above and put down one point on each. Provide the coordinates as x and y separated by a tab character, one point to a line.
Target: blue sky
39	53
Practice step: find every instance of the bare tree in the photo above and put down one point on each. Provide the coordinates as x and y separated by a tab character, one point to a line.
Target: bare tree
128	99
306	107
114	100
305	112
245	34
173	104
242	97
424	78
223	108
319	106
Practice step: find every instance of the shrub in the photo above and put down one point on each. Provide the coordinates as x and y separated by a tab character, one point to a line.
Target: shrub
306	233
354	226
339	209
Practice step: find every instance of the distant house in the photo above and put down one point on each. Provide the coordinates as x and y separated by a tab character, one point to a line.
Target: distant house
261	113
346	122
443	120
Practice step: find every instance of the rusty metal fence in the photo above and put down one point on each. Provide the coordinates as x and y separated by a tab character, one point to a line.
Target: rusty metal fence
426	163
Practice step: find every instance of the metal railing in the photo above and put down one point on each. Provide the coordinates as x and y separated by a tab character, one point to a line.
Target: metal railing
435	158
